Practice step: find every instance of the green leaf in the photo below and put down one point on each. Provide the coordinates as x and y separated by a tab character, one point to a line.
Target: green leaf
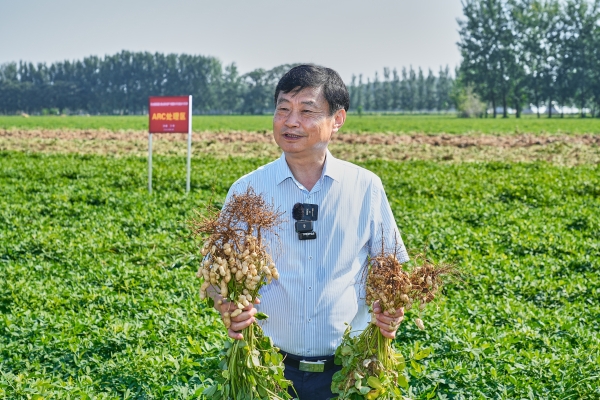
261	391
266	342
416	366
401	363
261	316
403	381
209	391
423	353
374	382
364	390
252	380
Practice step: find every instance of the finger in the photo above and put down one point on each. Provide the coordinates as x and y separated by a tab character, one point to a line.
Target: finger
245	315
256	300
383	325
222	302
235	335
228	307
387	330
389	320
376	307
387	334
241	325
398	313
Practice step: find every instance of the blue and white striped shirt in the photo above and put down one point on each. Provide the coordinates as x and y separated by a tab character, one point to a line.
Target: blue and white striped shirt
319	288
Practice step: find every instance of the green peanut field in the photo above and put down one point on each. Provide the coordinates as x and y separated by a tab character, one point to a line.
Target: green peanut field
99	299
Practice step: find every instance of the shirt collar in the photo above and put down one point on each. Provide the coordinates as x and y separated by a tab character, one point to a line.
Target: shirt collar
332	168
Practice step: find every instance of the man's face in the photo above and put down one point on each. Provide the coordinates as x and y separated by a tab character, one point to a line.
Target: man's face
302	125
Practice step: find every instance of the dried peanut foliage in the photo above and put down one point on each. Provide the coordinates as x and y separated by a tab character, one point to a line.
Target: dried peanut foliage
237	264
372	369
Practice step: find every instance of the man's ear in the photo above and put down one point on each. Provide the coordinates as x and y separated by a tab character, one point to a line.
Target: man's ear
338	119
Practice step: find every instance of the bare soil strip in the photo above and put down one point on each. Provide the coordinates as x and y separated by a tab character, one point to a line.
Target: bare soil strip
557	149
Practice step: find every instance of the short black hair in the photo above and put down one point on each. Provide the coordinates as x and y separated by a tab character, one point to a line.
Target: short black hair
314	76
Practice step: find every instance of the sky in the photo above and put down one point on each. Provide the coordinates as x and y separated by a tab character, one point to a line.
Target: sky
350	36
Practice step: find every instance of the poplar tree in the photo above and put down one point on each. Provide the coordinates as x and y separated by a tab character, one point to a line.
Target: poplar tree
396	91
485	44
443	89
405	92
430	102
581	24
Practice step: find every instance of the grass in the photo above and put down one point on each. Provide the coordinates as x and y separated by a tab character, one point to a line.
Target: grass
433	124
99	300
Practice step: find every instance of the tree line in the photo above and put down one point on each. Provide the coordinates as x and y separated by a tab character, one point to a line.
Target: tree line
538	52
411	91
122	83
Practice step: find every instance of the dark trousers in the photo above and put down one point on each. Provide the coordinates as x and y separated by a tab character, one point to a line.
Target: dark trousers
311	385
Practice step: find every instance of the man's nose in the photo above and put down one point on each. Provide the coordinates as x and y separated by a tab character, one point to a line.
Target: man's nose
293	119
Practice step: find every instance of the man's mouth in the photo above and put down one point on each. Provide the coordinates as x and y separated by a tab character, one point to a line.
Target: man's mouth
291	136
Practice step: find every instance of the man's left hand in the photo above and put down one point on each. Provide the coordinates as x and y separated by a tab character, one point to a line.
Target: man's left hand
388	323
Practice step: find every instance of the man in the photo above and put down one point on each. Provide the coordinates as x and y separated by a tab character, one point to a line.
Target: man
319	289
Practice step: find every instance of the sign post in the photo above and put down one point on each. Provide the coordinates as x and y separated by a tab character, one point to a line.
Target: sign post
150	162
189	154
170	115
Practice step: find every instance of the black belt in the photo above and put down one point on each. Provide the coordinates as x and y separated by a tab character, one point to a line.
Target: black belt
312	364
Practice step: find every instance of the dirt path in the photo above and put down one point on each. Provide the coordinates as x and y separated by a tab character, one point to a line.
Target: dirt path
461	141
559	149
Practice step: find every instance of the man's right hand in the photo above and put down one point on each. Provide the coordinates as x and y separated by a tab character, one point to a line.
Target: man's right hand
240	322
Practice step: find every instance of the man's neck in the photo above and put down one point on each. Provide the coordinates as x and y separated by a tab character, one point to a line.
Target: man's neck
307	170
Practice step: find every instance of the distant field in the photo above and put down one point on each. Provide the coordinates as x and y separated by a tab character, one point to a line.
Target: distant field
366	123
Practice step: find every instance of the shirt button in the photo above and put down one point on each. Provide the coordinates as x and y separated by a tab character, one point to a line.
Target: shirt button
310	288
310	258
309	320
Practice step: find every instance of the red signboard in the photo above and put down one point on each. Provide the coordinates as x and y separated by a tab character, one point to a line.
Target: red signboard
169	114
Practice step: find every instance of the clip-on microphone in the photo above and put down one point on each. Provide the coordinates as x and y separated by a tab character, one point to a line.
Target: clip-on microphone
305	214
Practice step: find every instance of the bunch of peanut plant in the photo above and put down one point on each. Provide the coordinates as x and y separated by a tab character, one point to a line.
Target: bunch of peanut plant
372	368
236	264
